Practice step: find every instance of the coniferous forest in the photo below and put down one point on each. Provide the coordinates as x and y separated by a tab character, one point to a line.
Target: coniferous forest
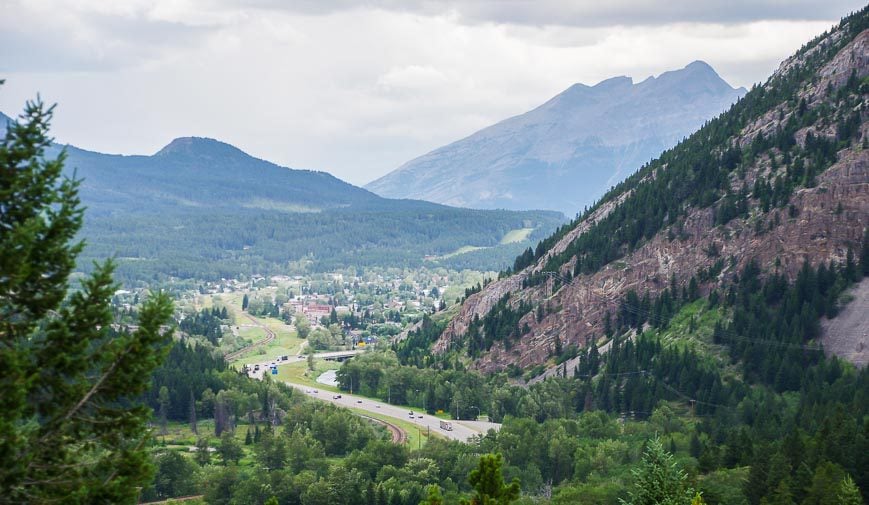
168	374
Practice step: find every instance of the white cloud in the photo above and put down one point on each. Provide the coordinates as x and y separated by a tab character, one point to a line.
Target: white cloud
352	90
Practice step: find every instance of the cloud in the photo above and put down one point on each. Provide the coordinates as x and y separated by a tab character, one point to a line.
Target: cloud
580	13
38	36
352	89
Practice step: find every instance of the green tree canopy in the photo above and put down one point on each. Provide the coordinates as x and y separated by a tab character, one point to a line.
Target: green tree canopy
72	428
488	483
659	480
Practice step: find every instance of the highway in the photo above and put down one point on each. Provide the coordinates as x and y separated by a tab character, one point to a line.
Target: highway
462	430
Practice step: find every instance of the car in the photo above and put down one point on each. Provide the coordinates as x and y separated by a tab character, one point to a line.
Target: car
377	406
358	401
336	397
316	391
419	417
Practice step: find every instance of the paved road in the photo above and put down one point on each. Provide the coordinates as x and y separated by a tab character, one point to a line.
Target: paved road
462	430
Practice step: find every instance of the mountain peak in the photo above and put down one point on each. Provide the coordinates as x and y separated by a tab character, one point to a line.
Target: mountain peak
700	66
199	146
695	77
614	83
586	138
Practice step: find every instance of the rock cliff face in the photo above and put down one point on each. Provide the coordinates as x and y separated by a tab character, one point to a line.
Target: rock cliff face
818	224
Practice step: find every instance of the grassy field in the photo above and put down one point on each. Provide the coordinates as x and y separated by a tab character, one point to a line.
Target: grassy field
298	373
517	235
286	342
181	438
461	250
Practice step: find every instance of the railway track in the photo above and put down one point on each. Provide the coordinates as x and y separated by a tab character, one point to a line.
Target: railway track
270	336
174	500
399	436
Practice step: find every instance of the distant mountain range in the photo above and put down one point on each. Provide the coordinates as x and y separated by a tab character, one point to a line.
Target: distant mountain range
205	173
203	209
566	153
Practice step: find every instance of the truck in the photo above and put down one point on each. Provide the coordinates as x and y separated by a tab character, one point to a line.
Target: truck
446	425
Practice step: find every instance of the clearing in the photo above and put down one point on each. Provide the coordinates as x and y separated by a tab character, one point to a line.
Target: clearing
847	334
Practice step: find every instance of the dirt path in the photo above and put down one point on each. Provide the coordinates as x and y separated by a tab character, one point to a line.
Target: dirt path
847	334
270	336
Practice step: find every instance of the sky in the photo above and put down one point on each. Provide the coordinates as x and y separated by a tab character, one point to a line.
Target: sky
358	88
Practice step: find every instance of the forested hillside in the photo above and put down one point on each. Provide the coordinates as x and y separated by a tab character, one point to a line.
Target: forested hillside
778	180
204	209
691	297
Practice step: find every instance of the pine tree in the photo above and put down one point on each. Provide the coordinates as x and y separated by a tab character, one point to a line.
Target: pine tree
245	301
229	449
659	481
848	493
434	496
203	455
71	430
192	414
163	399
488	483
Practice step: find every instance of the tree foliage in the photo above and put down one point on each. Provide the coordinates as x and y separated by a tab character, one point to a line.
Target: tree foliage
72	428
658	480
488	483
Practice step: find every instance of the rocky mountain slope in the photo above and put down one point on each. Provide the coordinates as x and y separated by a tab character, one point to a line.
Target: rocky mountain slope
780	179
566	153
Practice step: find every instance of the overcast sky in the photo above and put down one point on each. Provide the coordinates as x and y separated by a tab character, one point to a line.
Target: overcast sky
358	88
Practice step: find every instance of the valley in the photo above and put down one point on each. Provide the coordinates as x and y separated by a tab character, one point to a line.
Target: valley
206	326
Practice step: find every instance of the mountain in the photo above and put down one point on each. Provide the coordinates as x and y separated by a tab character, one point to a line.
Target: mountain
203	209
774	191
204	173
566	153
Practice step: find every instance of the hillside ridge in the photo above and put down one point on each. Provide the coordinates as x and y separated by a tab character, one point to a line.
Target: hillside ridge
819	221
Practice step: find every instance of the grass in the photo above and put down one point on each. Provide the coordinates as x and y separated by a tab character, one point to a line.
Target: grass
286	342
180	438
517	235
461	250
699	338
416	436
298	373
